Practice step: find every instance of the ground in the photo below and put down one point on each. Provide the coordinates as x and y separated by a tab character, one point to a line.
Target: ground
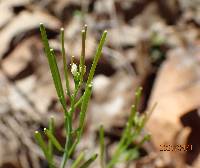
151	43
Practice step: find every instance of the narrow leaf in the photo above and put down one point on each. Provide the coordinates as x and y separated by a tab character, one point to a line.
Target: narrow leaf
51	129
78	160
88	90
57	79
130	154
138	94
45	40
82	59
127	131
148	114
79	130
102	146
84	105
53	67
65	63
42	145
89	161
53	139
78	103
96	58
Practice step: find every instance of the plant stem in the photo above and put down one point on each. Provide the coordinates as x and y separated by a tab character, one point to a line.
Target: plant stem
102	146
68	143
65	64
51	129
78	160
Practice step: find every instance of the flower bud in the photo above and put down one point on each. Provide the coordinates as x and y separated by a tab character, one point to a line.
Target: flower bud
74	69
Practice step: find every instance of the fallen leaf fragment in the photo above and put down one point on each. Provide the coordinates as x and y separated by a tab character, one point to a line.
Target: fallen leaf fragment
16	27
176	90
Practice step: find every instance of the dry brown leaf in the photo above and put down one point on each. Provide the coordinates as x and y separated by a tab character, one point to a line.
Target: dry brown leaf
31	21
6	12
191	10
176	90
14	122
113	97
125	35
42	96
150	15
18	59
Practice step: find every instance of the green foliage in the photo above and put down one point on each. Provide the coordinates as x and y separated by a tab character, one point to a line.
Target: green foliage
44	148
157	49
80	158
53	141
89	161
125	150
102	146
51	132
73	135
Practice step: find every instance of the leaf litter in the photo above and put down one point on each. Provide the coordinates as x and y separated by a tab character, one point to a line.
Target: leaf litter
28	98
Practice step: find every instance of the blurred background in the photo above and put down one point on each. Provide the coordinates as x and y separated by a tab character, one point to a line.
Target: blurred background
151	43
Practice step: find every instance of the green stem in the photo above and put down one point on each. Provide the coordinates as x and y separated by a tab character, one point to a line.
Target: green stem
78	160
68	142
65	64
102	146
69	131
51	129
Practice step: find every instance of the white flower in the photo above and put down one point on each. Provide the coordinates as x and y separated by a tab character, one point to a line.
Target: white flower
74	69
